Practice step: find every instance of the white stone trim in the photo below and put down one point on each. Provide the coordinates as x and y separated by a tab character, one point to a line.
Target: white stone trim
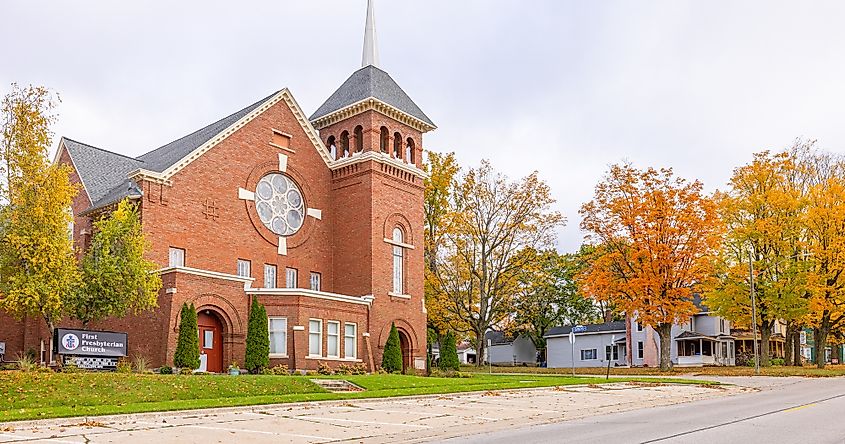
398	244
171	290
245	194
70	156
152	176
378	156
362	300
278	356
397	295
371	103
332	358
365	334
206	273
283	246
298	328
283	162
315	213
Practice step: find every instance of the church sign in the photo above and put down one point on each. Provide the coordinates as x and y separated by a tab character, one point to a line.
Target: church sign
90	349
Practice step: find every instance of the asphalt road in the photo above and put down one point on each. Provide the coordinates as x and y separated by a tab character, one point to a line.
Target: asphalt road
785	410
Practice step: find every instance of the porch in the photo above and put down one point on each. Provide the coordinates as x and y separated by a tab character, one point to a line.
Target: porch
698	350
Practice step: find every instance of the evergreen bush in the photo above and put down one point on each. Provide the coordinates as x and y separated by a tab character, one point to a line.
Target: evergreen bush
257	339
391	360
449	354
187	346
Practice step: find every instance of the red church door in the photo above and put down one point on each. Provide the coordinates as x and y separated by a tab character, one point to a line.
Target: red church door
211	341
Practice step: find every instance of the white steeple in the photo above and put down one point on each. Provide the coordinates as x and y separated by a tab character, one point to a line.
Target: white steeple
370	41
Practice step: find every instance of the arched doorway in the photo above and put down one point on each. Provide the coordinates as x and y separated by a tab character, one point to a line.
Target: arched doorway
405	345
211	340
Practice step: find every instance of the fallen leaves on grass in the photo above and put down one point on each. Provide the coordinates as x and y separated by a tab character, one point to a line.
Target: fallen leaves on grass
491	393
90	423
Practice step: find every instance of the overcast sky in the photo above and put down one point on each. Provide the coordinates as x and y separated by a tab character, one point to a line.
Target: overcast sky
563	87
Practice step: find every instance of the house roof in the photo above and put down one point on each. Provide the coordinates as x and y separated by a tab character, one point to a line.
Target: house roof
165	156
696	299
607	327
496	338
370	82
102	172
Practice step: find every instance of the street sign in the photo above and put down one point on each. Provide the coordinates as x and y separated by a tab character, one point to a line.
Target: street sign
579	329
571	337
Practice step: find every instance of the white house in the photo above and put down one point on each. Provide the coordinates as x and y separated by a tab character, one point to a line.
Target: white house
595	345
508	351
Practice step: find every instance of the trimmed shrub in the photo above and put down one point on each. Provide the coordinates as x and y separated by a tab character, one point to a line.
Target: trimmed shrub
279	370
165	370
187	346
257	339
324	369
124	366
391	360
449	354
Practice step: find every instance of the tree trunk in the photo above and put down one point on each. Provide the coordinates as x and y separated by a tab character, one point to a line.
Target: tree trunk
765	335
479	349
796	348
787	351
819	339
665	332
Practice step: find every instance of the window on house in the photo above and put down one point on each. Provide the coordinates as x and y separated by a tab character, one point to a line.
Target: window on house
269	276
639	326
208	339
332	147
244	268
344	143
721	325
314	283
384	140
397	145
589	354
640	349
359	139
176	257
290	278
333	339
607	351
398	254
315	337
350	344
278	328
410	154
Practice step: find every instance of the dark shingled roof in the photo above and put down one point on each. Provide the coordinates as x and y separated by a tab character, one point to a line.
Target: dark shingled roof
367	82
164	157
105	174
497	337
101	171
591	328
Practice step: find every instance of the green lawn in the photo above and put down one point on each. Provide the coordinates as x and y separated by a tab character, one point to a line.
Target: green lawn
51	395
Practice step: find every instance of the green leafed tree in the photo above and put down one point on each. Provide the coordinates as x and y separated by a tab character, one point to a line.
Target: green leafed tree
391	360
37	265
187	346
449	353
116	278
257	339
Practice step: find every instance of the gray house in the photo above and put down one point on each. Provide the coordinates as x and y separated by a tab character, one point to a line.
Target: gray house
510	351
595	345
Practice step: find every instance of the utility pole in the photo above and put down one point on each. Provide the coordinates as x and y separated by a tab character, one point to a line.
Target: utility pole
753	308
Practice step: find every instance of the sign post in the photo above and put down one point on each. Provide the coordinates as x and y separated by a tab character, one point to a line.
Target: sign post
89	349
610	355
572	346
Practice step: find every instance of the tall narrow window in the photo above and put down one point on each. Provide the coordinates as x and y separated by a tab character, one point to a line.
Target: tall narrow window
278	336
315	337
176	257
397	145
344	143
359	139
290	278
314	283
243	268
350	344
410	155
269	276
398	254
640	349
384	139
332	147
333	339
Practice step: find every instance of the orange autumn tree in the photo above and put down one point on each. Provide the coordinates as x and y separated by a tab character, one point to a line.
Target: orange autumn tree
655	236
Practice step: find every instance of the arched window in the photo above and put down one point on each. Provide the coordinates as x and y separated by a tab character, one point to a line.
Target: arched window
384	138
410	156
359	139
398	255
397	145
344	143
332	147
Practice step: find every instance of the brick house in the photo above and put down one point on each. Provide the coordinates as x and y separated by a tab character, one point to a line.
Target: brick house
320	218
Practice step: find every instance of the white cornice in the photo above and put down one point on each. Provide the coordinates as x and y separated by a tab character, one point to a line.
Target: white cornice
362	300
206	273
371	103
378	156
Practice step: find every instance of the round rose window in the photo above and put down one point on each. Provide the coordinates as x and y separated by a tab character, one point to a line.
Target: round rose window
279	203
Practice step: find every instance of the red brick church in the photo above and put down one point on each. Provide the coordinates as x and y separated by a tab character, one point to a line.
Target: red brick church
320	218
